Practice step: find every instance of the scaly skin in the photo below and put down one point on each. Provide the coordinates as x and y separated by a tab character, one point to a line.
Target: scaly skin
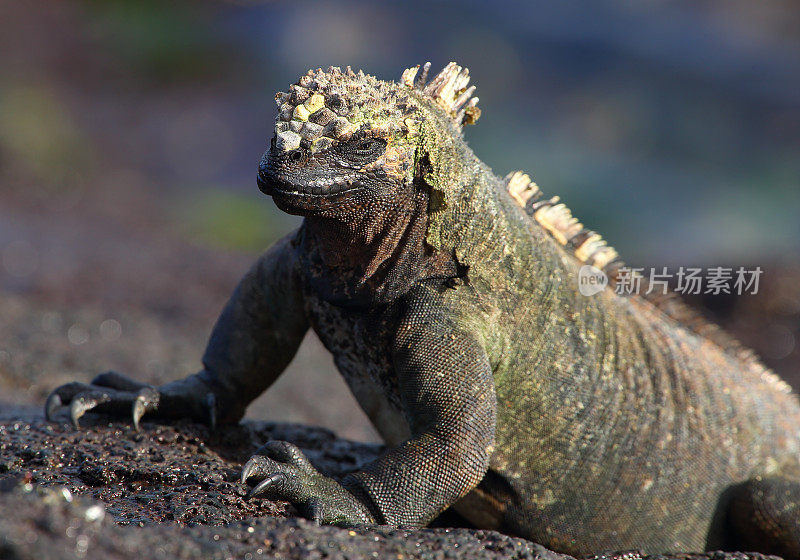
584	423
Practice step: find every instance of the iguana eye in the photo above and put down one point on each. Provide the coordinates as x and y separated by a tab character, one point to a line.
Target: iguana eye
369	146
363	149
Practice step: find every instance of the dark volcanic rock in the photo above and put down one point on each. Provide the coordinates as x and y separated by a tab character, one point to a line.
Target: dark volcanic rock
57	525
173	492
106	491
181	473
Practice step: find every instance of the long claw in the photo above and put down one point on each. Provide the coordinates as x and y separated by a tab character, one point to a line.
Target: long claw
211	409
139	409
255	466
81	405
315	511
266	484
146	401
51	406
249	469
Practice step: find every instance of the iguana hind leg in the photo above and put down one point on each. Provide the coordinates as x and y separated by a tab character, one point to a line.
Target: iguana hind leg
764	515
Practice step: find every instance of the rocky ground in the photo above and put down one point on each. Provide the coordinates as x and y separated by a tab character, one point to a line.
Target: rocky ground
174	492
170	492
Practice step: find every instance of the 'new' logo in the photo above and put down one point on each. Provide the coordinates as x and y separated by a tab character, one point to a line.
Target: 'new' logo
591	280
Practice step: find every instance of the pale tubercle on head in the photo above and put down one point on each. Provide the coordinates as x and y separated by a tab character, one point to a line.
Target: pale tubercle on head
325	107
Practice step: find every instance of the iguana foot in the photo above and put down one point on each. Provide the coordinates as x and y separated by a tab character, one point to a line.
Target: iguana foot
116	394
283	472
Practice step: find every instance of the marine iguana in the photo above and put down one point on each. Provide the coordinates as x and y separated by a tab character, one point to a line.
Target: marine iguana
449	299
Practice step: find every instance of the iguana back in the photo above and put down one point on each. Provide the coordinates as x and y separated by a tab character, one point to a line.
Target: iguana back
621	420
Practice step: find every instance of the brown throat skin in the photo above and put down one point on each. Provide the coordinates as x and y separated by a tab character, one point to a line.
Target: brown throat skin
448	297
374	260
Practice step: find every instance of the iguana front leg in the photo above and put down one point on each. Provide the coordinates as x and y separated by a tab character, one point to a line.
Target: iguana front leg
253	341
447	391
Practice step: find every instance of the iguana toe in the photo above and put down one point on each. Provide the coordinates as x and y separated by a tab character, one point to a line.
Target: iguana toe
51	406
287	474
115	380
285	452
85	402
256	467
146	401
115	394
272	481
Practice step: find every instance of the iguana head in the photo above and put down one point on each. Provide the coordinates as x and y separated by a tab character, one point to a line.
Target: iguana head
346	142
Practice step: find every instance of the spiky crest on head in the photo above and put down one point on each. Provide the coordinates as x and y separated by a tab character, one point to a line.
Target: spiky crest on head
324	107
448	89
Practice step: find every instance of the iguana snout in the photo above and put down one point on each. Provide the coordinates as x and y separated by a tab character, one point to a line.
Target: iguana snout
306	182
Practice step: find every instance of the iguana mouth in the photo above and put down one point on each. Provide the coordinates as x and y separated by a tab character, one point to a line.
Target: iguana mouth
292	194
278	176
275	185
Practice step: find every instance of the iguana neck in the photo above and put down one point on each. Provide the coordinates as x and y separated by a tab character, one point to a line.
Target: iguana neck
475	219
374	255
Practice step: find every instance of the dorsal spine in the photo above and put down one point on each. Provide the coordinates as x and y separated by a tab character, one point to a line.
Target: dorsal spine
589	247
554	216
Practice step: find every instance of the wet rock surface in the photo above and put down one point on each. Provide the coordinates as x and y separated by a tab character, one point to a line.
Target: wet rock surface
57	525
173	492
107	491
182	473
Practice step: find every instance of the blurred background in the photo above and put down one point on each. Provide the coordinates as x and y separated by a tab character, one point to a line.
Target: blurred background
130	132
